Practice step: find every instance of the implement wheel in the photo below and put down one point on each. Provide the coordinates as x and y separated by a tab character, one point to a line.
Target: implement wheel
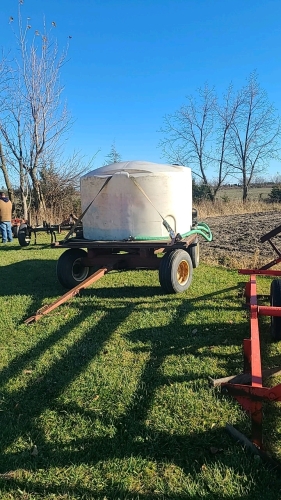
175	272
275	301
24	235
70	270
193	251
15	231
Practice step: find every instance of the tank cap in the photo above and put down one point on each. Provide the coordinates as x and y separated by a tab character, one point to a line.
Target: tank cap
122	172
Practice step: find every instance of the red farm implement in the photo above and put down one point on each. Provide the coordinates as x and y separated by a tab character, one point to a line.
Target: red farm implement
247	388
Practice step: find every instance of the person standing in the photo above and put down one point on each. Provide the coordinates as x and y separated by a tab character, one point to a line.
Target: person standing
5	218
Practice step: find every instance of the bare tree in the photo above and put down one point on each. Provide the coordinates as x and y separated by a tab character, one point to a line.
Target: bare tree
235	138
225	115
254	133
60	185
34	118
276	179
189	134
3	167
4	81
13	136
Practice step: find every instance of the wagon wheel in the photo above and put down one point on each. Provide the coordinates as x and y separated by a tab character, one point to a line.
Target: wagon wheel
70	270
24	235
275	301
194	253
175	272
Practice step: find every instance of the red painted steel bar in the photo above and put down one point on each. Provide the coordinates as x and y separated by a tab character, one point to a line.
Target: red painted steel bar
260	272
269	311
255	337
71	293
256	370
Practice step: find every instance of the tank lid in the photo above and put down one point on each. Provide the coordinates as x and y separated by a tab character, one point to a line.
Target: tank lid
134	167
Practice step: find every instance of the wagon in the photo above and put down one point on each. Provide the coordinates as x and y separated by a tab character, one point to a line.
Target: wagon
84	262
174	259
136	215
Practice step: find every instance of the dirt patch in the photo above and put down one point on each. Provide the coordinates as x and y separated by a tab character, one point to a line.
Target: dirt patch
236	239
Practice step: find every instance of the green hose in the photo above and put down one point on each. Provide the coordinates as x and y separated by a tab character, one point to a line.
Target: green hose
150	238
202	228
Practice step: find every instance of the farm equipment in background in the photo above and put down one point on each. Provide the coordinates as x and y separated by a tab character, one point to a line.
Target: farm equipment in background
23	231
16	223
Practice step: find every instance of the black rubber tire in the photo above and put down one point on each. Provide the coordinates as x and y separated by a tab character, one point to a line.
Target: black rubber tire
194	253
24	235
70	271
175	271
15	231
275	300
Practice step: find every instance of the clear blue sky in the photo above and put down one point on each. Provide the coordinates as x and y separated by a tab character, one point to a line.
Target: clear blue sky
133	61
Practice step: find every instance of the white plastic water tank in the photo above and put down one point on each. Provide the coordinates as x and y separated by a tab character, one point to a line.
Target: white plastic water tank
122	211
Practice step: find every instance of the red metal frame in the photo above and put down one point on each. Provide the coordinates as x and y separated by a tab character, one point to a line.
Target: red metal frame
17	221
250	397
267	237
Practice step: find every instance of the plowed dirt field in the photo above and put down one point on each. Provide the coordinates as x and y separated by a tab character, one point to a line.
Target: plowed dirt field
236	239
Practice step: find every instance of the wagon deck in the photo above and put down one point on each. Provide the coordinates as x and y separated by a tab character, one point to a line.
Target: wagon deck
125	244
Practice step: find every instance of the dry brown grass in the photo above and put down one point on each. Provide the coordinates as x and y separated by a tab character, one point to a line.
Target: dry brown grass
231	207
234	260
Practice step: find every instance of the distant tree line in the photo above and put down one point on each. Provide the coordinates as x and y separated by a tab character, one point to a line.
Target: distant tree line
202	192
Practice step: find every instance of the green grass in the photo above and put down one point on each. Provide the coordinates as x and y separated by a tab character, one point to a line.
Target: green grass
108	396
255	193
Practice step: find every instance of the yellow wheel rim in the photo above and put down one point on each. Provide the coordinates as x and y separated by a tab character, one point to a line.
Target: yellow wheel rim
183	272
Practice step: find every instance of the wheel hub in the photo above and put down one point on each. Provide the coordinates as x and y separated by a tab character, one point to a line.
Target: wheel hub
183	272
79	272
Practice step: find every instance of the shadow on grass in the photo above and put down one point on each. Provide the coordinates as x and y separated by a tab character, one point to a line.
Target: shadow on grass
28	276
7	247
132	437
115	492
35	278
134	291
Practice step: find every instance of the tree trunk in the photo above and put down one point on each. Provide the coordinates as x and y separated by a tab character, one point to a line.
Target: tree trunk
22	192
3	167
39	202
245	190
245	194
